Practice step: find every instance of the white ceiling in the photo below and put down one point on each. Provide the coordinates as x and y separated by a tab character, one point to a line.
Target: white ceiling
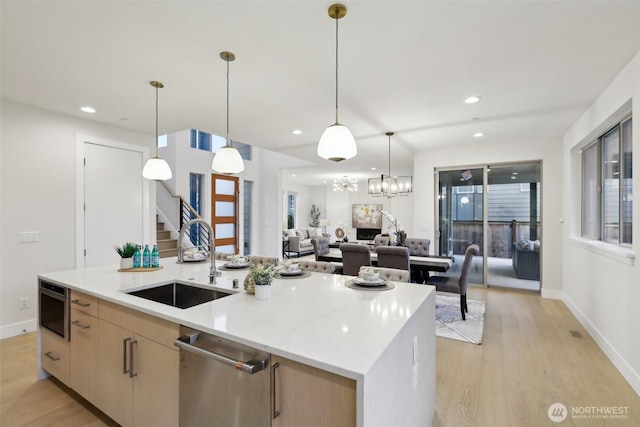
405	66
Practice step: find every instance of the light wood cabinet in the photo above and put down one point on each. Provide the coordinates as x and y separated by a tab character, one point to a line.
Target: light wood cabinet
84	347
55	355
311	397
138	380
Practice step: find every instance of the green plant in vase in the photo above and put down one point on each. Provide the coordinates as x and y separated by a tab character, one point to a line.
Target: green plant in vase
262	276
126	253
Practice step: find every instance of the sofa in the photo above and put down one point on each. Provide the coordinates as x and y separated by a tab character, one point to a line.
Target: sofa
526	259
298	240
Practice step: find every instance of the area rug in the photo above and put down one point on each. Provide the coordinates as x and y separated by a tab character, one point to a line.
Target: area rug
449	323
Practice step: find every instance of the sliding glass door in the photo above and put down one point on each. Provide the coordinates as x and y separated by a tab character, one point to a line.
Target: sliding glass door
460	222
498	208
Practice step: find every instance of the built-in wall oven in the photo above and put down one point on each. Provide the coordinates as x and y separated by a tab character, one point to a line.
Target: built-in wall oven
54	309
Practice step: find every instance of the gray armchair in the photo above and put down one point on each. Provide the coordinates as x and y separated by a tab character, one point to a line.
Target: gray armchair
321	247
354	256
457	285
393	257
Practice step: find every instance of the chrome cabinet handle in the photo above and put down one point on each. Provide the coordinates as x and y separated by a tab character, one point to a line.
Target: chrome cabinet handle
252	366
80	325
80	303
276	413
124	356
132	373
50	355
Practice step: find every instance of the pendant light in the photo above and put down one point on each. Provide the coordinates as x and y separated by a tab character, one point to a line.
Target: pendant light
390	186
227	159
156	169
337	142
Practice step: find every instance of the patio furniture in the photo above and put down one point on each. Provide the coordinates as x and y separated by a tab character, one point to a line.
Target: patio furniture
457	285
526	262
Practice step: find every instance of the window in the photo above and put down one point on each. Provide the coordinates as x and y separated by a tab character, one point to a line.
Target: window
607	191
292	208
210	142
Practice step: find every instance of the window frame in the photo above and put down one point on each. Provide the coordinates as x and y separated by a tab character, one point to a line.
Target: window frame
599	146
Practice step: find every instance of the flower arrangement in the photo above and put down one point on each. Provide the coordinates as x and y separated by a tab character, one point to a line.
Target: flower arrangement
398	235
262	274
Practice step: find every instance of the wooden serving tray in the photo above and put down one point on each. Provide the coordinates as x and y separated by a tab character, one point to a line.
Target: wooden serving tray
140	269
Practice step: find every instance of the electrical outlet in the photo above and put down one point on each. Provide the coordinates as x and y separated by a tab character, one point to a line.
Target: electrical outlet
23	303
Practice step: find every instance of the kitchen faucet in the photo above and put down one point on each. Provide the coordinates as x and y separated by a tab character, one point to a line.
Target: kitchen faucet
213	271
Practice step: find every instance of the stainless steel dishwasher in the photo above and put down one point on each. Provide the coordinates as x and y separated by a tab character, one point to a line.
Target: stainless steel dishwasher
222	383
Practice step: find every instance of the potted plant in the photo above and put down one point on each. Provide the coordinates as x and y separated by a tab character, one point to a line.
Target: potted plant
126	253
315	217
262	275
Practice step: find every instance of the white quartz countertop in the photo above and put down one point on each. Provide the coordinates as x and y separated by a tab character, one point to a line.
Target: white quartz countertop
315	320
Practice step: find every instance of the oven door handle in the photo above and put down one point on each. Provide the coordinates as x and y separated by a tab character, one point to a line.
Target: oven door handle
251	367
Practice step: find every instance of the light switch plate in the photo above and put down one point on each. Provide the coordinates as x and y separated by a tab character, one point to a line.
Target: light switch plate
28	236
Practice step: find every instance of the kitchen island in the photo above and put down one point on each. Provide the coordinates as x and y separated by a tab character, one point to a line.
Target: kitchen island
382	340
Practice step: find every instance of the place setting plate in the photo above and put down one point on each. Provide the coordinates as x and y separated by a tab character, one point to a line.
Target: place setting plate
238	266
291	274
369	285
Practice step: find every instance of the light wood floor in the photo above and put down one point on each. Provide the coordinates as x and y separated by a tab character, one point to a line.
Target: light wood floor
527	361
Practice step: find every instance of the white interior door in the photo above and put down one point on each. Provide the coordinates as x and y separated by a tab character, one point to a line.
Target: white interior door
113	201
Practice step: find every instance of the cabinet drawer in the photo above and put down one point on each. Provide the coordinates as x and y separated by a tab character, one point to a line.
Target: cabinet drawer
55	355
85	303
154	328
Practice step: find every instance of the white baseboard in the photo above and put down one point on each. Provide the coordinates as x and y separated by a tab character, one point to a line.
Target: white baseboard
552	294
14	329
632	377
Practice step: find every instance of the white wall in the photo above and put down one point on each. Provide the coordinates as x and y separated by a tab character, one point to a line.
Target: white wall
548	151
601	281
38	191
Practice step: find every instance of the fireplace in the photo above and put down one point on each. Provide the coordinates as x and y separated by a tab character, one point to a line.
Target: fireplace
367	233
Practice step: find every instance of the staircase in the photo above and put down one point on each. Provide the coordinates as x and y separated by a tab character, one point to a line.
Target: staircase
167	246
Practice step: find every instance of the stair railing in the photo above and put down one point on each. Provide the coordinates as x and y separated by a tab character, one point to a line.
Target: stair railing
195	235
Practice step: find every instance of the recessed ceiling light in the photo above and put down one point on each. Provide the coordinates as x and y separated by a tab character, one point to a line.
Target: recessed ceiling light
296	132
88	109
293	175
478	134
472	99
373	169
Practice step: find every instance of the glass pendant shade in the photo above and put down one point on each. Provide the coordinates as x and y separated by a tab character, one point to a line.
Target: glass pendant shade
337	143
156	169
227	161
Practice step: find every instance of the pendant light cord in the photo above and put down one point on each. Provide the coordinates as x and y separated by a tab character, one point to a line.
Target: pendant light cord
228	144
337	19
156	121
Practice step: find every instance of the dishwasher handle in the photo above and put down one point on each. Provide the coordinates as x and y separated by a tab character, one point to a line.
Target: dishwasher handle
251	367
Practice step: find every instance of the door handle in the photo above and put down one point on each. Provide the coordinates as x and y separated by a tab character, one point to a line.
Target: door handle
132	373
80	303
50	355
80	324
124	356
252	366
275	366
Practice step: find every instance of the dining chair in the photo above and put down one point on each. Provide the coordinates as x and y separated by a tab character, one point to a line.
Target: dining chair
393	274
320	246
457	285
393	257
354	256
259	259
317	266
418	247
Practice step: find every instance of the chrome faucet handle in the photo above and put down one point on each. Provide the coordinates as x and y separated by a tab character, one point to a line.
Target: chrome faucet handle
213	275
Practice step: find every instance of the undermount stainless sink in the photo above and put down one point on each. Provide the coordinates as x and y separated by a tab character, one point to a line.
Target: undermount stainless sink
180	295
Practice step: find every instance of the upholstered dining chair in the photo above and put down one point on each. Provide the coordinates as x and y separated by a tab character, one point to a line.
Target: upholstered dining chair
260	259
380	240
317	266
393	274
354	256
393	257
418	247
457	285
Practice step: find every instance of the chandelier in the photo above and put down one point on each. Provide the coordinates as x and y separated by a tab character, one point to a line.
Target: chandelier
345	184
390	186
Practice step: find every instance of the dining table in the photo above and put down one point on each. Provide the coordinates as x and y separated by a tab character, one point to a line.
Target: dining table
430	263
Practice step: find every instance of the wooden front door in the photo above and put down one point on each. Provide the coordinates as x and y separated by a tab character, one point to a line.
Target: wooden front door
224	212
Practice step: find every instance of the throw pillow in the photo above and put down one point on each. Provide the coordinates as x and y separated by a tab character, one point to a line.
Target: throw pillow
300	234
314	233
523	244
